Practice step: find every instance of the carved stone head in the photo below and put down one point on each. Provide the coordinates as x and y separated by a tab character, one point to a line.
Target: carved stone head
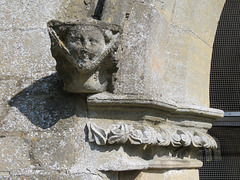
82	50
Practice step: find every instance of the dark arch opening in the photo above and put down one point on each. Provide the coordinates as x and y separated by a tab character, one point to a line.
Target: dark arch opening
224	162
225	64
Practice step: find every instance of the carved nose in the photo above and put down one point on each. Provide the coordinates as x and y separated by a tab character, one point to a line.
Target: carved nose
79	44
88	44
75	45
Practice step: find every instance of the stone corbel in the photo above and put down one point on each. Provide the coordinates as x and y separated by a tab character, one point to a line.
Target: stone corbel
84	52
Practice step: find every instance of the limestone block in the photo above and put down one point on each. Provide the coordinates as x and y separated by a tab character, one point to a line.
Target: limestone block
142	51
10	118
116	11
41	104
54	152
6	91
165	6
31	15
47	174
19	15
14	153
72	10
188	69
198	71
55	176
190	174
164	59
175	66
187	174
4	175
23	60
199	17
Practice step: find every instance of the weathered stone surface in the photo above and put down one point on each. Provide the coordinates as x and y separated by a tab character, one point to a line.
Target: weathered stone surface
200	52
183	55
82	50
166	7
190	42
116	11
161	175
14	153
23	62
111	101
164	135
35	106
42	131
169	52
199	18
53	175
143	45
54	153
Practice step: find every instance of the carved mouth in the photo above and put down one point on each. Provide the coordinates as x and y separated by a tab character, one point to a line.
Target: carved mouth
83	57
86	55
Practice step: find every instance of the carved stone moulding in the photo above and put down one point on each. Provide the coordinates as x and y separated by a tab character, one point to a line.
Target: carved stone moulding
172	110
121	133
157	124
84	51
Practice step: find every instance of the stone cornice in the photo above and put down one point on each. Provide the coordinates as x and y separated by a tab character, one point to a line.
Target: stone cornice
161	164
111	100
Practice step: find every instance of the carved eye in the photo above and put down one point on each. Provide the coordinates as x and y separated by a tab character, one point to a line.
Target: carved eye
82	39
93	41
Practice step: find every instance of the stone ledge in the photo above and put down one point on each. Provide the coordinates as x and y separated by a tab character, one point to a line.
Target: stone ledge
110	101
161	164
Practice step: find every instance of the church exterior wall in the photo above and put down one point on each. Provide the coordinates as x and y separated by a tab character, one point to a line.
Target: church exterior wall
161	77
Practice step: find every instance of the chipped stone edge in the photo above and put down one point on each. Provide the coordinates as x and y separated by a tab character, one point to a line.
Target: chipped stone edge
162	164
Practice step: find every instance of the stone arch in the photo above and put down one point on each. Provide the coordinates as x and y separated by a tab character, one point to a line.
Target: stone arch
178	54
224	85
224	95
189	50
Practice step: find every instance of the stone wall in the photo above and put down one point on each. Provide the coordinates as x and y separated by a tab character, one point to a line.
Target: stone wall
37	118
42	127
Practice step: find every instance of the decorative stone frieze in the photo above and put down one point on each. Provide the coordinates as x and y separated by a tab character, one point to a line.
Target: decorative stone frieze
148	122
121	133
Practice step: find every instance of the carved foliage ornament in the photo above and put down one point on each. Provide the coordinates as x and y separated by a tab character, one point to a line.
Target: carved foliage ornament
164	136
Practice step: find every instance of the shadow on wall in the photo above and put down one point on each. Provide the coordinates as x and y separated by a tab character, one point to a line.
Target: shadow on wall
44	103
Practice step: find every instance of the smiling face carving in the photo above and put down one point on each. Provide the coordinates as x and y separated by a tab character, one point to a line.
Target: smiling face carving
86	44
82	50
